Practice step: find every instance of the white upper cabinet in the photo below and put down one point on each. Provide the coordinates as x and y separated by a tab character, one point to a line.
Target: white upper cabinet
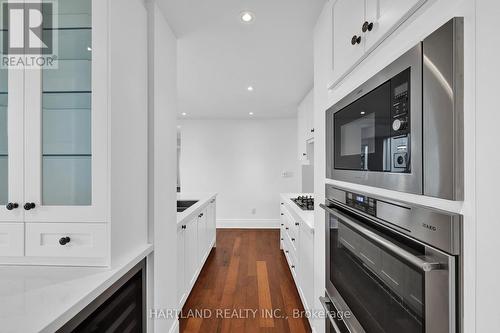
359	26
66	122
11	145
348	44
382	16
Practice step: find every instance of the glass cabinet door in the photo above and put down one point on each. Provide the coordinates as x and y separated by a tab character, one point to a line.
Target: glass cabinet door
67	162
11	139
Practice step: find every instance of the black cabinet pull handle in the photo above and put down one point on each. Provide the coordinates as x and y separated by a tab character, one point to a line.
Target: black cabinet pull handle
201	215
367	26
183	227
286	251
64	240
355	40
312	130
293	239
297	224
29	206
12	206
282	224
286	228
293	266
304	154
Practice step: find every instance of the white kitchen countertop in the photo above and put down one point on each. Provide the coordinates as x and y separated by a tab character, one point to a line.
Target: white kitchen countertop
43	298
190	213
307	216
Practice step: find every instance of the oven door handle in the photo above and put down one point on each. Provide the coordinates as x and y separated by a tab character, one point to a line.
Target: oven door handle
423	265
324	302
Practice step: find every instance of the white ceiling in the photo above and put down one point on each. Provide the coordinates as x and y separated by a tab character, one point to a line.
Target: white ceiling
219	57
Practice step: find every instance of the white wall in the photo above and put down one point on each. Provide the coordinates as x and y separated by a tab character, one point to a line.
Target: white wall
162	166
243	161
484	317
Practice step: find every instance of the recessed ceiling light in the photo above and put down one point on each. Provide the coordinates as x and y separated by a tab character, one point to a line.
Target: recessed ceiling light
363	112
247	17
89	48
250	113
250	88
184	114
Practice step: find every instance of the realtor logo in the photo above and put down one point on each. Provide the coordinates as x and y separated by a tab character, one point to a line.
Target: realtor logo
28	34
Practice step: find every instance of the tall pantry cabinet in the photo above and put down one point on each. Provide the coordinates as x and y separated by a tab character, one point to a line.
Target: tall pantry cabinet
56	158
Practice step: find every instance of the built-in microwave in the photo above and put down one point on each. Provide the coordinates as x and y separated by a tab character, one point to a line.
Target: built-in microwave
403	128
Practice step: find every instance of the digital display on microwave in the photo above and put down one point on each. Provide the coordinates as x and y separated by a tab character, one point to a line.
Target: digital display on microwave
401	89
360	199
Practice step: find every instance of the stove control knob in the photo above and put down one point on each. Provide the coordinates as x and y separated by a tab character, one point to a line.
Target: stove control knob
399	124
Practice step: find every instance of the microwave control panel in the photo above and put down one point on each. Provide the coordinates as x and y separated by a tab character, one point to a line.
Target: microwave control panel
400	104
362	203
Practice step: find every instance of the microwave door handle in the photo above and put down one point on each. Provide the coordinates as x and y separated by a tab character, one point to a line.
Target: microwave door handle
423	265
324	301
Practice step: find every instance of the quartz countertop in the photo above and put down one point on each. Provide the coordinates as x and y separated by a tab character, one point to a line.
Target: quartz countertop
307	216
190	213
43	298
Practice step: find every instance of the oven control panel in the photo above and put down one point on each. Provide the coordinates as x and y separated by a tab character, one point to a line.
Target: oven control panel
362	203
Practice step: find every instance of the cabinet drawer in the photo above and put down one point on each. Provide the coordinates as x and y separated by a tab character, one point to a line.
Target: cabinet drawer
11	239
85	240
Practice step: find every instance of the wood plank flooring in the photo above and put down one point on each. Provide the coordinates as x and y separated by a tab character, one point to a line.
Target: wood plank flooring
244	287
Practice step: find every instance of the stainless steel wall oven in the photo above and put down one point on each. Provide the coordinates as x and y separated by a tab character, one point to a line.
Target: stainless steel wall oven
394	267
403	128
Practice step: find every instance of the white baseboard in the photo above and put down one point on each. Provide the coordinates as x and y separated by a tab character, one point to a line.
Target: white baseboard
248	224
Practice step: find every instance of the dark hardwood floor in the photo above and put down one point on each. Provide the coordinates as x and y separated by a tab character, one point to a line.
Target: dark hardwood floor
245	286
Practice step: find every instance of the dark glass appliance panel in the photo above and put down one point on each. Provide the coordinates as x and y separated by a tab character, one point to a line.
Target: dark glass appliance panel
385	294
373	133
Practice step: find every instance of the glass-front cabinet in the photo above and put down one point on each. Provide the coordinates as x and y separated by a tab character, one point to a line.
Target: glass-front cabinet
63	117
11	139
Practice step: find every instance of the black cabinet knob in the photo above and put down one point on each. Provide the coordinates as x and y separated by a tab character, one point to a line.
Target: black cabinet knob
201	215
12	206
304	154
312	130
293	266
297	224
29	206
286	228
293	239
355	40
183	227
367	26
64	240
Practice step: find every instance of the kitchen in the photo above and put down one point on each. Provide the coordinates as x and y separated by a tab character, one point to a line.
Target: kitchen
330	158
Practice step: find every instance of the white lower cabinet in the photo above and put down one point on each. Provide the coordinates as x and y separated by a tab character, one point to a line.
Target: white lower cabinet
75	240
12	239
297	243
306	267
202	235
191	251
181	265
195	239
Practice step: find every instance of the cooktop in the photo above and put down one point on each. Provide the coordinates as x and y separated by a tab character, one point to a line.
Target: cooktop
304	202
